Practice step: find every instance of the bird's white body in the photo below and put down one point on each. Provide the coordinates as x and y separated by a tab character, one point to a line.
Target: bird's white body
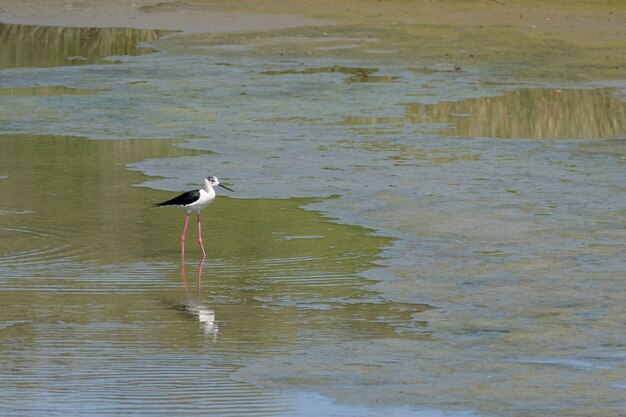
195	200
207	195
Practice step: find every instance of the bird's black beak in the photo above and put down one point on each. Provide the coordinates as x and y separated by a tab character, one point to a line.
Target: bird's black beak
223	186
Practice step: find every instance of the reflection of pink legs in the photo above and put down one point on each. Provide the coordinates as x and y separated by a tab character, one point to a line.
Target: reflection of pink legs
182	244
200	237
182	241
200	272
184	275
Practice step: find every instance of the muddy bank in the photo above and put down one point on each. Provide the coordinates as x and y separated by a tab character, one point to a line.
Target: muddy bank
559	40
148	14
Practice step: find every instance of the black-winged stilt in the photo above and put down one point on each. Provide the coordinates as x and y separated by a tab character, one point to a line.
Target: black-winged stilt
194	200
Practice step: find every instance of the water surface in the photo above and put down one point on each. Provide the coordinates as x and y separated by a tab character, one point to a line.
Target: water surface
433	242
93	295
49	46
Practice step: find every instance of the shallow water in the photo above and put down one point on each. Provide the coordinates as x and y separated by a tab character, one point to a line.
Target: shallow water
402	240
49	46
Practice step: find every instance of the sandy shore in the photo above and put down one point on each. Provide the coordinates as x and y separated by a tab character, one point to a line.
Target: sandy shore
557	39
578	18
250	15
147	14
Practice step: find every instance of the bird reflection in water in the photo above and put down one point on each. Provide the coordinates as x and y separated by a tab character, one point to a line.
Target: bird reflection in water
193	307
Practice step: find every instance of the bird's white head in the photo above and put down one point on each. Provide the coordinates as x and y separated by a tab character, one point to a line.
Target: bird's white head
214	181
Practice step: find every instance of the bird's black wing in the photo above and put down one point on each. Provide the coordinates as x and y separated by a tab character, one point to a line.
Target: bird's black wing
182	200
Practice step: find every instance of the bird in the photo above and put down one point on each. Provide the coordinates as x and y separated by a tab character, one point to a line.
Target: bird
194	200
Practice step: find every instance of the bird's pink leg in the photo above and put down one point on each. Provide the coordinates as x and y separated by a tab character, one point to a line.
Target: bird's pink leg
182	241
200	237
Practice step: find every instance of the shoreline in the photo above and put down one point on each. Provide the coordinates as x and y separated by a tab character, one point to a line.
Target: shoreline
560	40
147	15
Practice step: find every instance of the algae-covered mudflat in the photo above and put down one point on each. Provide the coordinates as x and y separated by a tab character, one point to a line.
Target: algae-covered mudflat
428	217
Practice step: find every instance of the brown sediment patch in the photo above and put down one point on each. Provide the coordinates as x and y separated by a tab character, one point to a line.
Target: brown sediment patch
437	68
357	75
52	90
